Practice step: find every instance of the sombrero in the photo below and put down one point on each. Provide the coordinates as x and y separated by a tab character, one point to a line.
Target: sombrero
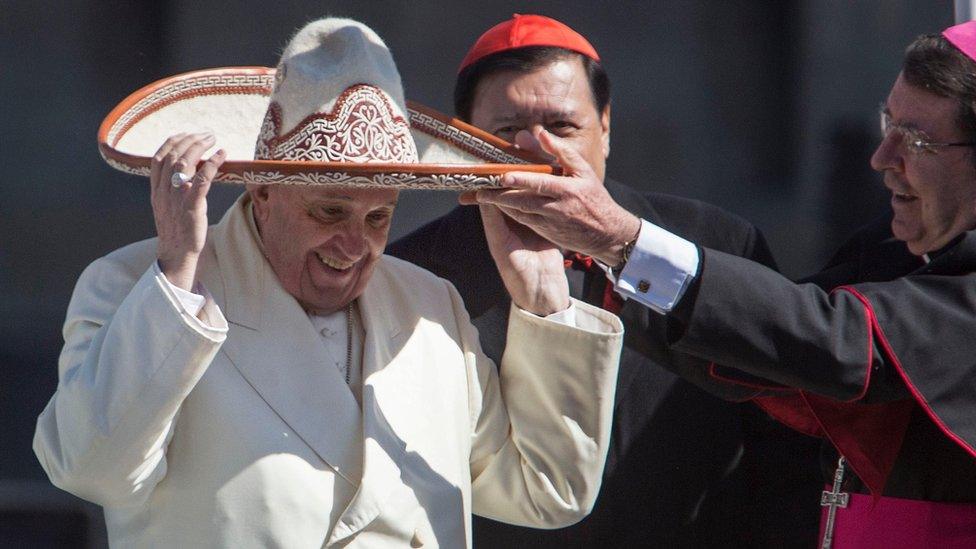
331	113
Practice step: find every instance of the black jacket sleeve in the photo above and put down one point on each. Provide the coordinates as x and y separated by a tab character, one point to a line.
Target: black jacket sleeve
647	332
747	317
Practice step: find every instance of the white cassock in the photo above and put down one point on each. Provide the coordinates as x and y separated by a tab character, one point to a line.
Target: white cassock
236	429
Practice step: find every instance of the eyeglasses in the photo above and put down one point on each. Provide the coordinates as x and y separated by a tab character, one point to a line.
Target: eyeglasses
915	140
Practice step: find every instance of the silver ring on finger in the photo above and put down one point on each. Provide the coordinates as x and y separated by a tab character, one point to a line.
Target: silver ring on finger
179	179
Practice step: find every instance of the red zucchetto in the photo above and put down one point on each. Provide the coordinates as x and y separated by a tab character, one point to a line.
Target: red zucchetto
527	30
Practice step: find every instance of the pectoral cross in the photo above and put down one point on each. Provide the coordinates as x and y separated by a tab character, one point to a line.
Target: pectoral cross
833	499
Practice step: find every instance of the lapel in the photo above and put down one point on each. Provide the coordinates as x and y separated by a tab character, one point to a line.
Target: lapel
633	201
383	448
382	327
636	317
274	346
460	254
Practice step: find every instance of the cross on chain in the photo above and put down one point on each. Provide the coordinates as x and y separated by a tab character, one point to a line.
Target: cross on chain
833	500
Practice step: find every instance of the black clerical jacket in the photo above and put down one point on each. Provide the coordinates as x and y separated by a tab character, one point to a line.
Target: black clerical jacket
877	353
685	469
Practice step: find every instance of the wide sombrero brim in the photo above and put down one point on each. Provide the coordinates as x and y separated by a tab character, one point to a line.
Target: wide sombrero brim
231	102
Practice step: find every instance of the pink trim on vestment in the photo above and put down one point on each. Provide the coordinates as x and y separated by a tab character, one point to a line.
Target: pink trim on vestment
895	523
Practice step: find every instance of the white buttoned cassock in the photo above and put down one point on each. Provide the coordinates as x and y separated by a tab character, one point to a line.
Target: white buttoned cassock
233	429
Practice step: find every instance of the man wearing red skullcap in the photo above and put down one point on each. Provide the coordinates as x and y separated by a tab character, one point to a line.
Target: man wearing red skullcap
875	353
682	462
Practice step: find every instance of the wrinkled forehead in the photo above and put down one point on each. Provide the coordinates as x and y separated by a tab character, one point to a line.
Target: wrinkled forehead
558	87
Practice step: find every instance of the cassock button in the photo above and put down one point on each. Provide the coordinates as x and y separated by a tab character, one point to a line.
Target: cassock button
643	286
418	539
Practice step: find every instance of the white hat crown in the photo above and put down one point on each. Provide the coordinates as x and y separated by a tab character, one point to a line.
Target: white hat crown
338	97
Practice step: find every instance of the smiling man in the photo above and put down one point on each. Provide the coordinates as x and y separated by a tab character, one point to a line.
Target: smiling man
874	353
293	221
324	394
933	195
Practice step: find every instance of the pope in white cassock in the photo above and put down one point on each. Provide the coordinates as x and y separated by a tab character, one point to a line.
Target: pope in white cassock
275	381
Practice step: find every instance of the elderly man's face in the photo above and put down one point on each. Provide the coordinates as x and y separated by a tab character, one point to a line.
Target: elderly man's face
933	193
556	97
323	242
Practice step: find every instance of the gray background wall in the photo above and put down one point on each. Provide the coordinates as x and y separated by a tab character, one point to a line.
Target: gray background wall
766	108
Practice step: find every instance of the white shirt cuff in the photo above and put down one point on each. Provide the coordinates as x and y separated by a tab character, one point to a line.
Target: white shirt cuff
567	316
659	270
190	302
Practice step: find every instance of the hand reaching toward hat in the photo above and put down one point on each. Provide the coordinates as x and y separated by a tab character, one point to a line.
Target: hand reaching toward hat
530	266
574	210
179	201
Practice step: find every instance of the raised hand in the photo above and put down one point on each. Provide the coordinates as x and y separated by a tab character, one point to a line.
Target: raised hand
180	207
530	266
574	210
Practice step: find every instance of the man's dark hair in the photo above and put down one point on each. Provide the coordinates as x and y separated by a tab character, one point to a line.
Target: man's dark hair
933	64
525	60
